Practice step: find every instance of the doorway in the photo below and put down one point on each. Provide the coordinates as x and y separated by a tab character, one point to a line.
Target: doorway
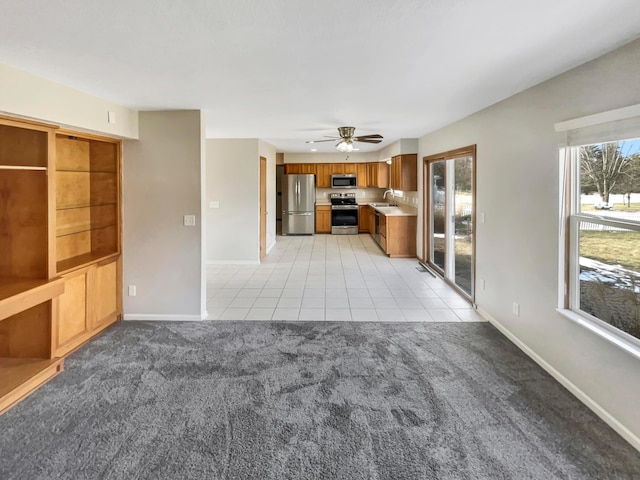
449	223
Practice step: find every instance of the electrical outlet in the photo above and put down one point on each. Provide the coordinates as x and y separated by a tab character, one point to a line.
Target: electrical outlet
132	290
483	218
516	309
189	220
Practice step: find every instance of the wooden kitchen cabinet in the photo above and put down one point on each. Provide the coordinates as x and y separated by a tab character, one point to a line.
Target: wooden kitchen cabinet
372	221
378	175
363	218
323	175
351	168
292	168
323	218
398	235
337	168
300	168
404	174
361	171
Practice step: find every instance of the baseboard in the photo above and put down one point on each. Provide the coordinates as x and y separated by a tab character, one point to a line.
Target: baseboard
609	419
270	247
233	262
162	317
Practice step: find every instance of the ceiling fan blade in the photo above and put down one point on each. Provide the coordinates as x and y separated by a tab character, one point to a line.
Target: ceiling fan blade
318	141
367	140
363	137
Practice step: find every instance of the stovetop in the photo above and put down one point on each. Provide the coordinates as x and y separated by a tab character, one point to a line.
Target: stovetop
342	198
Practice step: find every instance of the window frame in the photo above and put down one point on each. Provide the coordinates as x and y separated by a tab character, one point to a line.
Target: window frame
569	271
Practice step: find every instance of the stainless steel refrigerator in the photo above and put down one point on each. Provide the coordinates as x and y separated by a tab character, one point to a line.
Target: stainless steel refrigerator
298	204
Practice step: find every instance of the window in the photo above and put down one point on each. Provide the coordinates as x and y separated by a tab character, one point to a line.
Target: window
602	241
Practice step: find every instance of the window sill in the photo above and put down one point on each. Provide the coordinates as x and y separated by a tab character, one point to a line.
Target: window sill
630	345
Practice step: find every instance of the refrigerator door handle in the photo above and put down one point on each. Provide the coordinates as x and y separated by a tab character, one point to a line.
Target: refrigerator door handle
301	213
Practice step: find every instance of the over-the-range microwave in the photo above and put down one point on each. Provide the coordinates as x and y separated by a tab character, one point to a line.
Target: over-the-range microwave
344	180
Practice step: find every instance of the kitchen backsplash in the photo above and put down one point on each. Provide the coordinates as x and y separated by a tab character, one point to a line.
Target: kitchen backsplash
322	194
407	198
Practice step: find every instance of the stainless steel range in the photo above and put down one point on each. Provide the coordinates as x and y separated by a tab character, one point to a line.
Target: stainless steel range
344	214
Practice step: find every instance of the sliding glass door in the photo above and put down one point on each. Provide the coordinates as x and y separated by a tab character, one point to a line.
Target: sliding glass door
449	232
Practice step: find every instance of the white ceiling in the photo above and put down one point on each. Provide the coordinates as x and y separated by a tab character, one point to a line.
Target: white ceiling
293	70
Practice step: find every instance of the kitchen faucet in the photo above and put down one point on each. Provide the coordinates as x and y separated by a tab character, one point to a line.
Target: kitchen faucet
393	197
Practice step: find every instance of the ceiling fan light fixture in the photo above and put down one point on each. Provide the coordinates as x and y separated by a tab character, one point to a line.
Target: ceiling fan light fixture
345	145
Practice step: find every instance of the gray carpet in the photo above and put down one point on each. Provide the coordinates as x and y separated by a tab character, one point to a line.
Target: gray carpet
244	400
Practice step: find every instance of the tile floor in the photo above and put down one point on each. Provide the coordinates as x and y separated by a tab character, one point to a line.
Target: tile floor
332	277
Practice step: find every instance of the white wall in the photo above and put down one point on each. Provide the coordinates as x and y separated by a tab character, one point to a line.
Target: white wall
268	151
399	147
27	95
517	247
161	183
233	179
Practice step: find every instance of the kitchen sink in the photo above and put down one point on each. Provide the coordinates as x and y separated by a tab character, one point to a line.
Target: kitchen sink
379	204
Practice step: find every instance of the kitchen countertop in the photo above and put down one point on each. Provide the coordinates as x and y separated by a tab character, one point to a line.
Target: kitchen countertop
399	211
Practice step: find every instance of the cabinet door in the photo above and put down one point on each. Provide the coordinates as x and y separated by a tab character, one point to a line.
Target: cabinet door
382	174
363	218
308	168
350	168
337	168
105	295
323	175
371	175
72	324
362	175
372	221
396	168
292	168
323	219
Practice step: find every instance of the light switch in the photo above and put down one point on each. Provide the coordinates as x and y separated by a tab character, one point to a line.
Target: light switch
189	220
111	116
482	217
214	204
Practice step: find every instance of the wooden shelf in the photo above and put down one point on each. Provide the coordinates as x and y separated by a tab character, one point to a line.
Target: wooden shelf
20	167
85	171
63	232
87	205
80	261
20	376
17	294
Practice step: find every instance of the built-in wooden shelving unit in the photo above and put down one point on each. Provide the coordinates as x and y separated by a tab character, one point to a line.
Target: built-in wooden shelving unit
59	222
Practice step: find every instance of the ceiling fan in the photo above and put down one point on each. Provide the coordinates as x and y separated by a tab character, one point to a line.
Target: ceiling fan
346	139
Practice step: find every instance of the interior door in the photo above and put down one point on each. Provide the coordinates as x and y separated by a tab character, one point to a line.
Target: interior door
450	222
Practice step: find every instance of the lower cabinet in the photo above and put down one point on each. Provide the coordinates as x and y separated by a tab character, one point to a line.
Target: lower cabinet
363	218
323	219
89	304
397	235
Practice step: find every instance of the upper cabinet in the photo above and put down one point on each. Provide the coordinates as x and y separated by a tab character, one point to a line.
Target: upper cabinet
300	168
404	172
323	175
378	175
87	200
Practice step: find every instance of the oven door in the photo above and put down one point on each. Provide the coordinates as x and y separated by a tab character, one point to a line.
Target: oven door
344	219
